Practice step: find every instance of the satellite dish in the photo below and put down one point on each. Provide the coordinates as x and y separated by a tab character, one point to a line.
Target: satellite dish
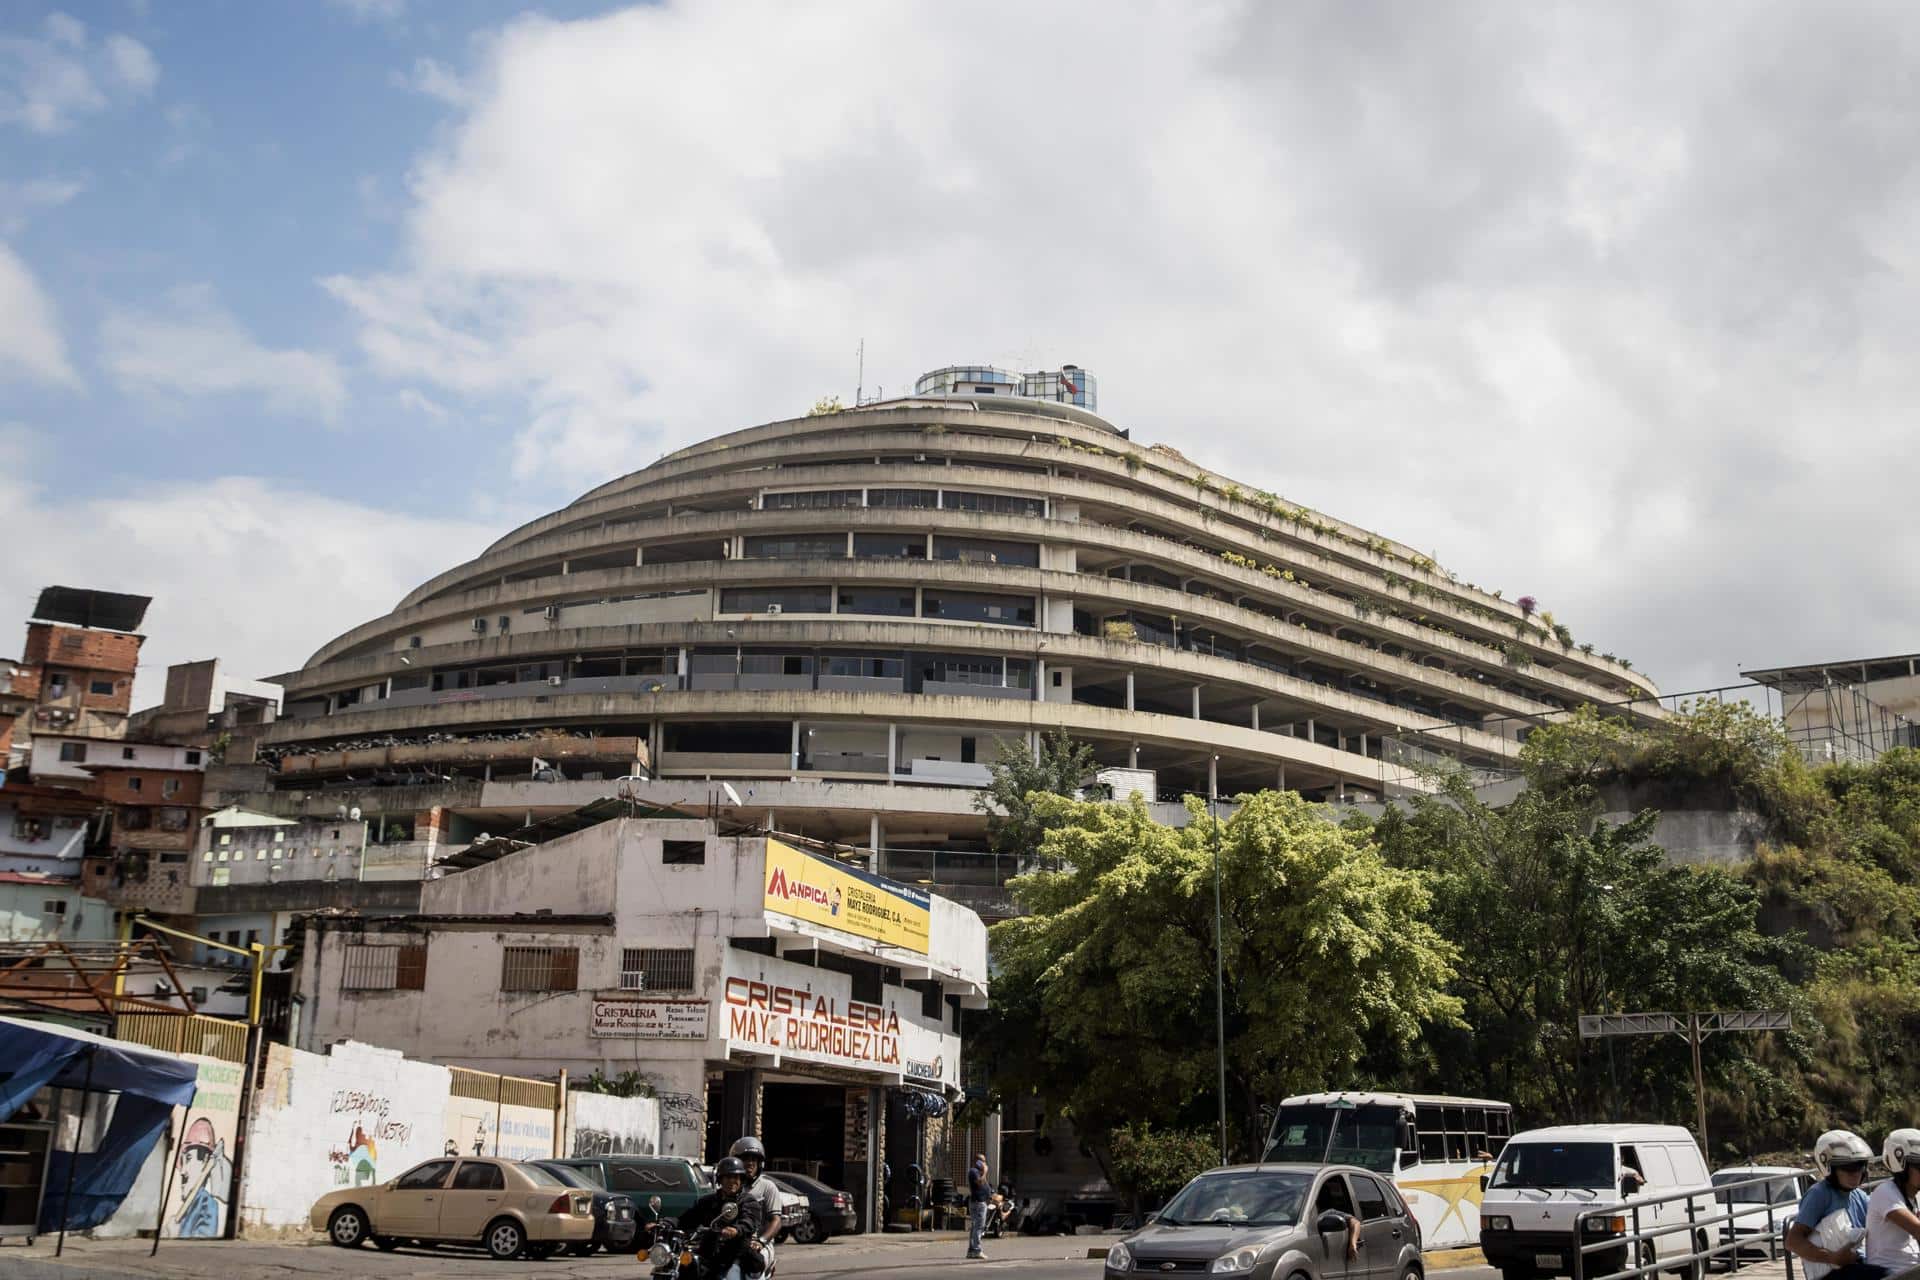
733	797
354	813
340	811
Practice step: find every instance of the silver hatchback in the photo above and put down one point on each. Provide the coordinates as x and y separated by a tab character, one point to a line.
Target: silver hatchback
1278	1220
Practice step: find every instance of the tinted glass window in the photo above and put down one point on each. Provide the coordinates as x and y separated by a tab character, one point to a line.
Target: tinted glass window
1312	1133
1555	1165
1244	1199
1333	1195
1373	1201
571	1177
419	1178
475	1176
541	1177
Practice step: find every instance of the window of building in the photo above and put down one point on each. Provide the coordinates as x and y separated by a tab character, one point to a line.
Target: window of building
193	757
816	500
776	600
656	969
986	551
683	853
891	602
796	546
169	786
135	817
997	503
25	828
540	969
889	546
174	818
384	967
279	837
1373	1201
260	854
207	856
73	752
54	907
904	499
967	606
861	666
100	688
135	783
57	685
126	753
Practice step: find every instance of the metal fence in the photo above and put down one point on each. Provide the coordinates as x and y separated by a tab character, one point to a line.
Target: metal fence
1686	1232
513	1091
185	1033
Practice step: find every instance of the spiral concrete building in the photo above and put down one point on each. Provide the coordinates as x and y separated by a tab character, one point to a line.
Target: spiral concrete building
842	616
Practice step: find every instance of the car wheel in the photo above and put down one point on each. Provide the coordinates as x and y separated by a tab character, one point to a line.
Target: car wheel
505	1238
804	1233
821	1237
347	1227
1697	1269
386	1244
1411	1273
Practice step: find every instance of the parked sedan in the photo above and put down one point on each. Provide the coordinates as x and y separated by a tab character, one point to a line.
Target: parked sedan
614	1223
830	1212
507	1207
1760	1210
1278	1220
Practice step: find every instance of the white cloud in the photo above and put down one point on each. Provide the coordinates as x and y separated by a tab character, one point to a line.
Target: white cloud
372	10
196	348
31	345
257	573
423	405
20	201
434	80
1607	306
49	81
133	63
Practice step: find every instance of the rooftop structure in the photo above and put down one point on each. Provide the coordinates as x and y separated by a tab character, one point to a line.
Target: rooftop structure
1852	709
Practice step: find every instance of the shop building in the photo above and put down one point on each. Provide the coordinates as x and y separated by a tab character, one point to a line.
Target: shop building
757	985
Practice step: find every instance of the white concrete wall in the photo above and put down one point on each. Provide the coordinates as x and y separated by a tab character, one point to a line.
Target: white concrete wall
354	1116
24	916
600	1124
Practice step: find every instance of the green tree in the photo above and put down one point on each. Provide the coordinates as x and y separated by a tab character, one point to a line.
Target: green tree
1015	824
1147	1165
1558	912
1104	997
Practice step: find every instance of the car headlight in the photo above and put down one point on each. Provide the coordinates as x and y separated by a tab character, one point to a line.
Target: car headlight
1600	1226
659	1256
1238	1260
1120	1258
1496	1222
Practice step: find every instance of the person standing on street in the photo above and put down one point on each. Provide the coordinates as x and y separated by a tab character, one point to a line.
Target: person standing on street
979	1194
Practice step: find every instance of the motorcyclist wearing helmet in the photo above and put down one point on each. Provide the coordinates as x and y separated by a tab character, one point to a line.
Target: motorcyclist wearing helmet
1893	1210
759	1186
1841	1157
726	1253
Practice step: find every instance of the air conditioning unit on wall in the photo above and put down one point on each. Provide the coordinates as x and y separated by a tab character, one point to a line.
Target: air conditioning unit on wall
773	608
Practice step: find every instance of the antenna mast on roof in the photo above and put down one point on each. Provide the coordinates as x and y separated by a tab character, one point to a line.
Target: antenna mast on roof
860	379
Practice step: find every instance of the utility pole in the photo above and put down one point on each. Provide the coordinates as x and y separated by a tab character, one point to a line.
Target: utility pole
1691	1027
1219	972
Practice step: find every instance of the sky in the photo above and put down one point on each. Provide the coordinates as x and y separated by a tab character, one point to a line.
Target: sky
302	303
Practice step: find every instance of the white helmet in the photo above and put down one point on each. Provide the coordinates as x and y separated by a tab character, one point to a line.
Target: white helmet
1902	1149
1841	1146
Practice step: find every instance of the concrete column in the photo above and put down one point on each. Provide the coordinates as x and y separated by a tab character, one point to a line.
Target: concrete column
1256	715
1039	680
566	567
1129	690
1363	744
773	822
1196	702
1283	779
893	751
794	751
1213	776
680	668
873	839
639	555
1133	755
1310	737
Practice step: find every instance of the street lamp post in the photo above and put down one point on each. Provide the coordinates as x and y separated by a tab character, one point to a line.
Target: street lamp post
1219	964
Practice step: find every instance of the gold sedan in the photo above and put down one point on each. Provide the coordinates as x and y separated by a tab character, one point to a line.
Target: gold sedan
508	1207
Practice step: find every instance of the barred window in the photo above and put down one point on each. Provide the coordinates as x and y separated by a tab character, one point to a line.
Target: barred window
540	969
385	967
656	969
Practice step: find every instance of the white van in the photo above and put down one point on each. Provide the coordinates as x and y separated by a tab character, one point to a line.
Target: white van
1546	1178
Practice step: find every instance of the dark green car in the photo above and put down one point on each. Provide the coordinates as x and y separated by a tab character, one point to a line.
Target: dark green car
677	1182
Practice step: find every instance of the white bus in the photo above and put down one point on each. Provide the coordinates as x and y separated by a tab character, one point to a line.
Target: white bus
1433	1148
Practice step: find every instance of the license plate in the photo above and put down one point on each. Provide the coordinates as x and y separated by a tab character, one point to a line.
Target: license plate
1547	1260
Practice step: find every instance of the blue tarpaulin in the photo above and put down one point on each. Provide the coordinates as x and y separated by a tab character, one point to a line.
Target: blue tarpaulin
34	1055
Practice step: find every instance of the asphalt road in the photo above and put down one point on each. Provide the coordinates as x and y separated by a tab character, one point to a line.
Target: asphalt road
868	1258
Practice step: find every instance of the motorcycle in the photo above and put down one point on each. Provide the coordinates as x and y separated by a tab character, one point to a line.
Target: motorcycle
676	1254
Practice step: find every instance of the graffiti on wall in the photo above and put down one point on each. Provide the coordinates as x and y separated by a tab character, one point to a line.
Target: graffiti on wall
202	1190
603	1142
366	1122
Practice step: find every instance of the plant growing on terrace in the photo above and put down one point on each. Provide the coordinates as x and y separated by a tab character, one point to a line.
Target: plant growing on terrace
826	405
1118	629
1133	464
1587	648
1563	635
1516	656
1526	604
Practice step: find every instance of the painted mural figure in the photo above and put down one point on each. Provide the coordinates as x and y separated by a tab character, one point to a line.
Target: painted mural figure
206	1181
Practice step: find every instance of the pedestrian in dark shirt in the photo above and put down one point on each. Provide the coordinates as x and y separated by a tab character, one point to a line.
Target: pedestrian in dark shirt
979	1195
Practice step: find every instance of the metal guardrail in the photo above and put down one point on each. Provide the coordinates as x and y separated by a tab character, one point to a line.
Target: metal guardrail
1717	1230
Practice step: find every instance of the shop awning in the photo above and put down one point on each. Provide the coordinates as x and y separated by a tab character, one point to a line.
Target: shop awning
37	1054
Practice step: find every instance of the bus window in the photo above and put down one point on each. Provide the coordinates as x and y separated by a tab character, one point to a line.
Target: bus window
1497	1124
1366	1136
1456	1119
1428	1119
1476	1120
1456	1146
1433	1146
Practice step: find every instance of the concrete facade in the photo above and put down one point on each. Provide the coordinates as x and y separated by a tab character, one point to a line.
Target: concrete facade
887	596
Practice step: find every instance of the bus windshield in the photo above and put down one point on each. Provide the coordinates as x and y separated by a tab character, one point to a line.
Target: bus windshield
1555	1165
1368	1136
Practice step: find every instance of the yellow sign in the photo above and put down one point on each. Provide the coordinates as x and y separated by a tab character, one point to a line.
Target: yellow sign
828	894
